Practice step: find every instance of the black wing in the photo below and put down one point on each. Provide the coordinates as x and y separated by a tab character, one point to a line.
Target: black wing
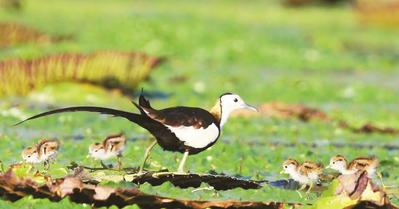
140	108
144	106
119	113
185	116
143	102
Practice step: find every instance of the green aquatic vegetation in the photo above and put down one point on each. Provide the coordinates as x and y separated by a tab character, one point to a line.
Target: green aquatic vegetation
320	57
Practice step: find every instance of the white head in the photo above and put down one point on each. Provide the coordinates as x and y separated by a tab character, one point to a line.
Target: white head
230	102
290	167
98	152
338	163
30	155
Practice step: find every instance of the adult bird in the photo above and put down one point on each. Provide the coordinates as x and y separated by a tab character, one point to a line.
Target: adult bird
188	130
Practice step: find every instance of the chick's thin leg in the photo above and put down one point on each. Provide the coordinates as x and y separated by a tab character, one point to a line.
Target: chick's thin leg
146	155
380	177
300	189
46	165
119	162
103	165
310	187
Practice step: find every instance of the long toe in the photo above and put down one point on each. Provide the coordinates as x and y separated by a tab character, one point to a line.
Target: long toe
299	193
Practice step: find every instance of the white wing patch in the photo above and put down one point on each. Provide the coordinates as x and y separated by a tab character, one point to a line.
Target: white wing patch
197	138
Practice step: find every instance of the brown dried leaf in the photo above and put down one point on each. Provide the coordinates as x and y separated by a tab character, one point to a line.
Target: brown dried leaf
371	128
370	205
305	113
284	110
382	12
359	186
352	185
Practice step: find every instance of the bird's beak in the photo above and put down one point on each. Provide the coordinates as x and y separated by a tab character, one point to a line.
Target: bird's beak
250	107
282	172
327	167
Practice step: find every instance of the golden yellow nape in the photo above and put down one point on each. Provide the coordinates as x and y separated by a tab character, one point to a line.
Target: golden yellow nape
216	110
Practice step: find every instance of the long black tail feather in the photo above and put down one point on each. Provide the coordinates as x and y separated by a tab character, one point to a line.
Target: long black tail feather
144	102
139	108
119	113
164	136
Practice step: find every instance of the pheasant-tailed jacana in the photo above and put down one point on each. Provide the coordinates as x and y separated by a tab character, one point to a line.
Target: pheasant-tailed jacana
188	130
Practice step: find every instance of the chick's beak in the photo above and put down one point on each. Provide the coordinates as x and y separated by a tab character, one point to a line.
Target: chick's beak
327	167
282	172
250	107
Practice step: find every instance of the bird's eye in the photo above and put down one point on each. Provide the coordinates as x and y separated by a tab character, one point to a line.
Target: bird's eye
28	155
95	150
235	100
334	162
285	166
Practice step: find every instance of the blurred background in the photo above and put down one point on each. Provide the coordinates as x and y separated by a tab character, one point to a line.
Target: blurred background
340	58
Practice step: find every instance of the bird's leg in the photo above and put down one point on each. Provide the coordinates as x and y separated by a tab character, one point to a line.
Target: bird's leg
103	165
46	165
119	162
380	177
146	155
310	187
299	193
307	191
32	166
182	162
93	163
180	170
300	189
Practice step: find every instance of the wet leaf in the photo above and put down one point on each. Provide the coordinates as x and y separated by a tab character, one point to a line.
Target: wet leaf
217	181
14	188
